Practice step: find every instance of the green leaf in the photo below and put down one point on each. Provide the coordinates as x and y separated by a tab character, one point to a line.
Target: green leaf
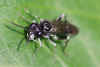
83	50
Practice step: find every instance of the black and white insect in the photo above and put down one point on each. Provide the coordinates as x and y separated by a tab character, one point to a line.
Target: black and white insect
58	29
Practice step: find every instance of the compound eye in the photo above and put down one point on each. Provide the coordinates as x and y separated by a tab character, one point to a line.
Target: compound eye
46	26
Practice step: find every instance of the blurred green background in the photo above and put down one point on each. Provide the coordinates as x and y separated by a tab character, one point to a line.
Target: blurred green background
83	50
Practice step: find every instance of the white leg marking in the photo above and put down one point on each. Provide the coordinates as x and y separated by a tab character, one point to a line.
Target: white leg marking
53	43
68	37
62	15
31	37
40	42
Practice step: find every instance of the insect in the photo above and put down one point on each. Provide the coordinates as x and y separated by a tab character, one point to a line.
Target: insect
58	29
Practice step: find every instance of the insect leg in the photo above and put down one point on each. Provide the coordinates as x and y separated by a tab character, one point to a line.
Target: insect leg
52	42
35	50
19	44
36	47
18	25
28	12
60	17
66	43
37	18
40	42
14	30
54	50
27	20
